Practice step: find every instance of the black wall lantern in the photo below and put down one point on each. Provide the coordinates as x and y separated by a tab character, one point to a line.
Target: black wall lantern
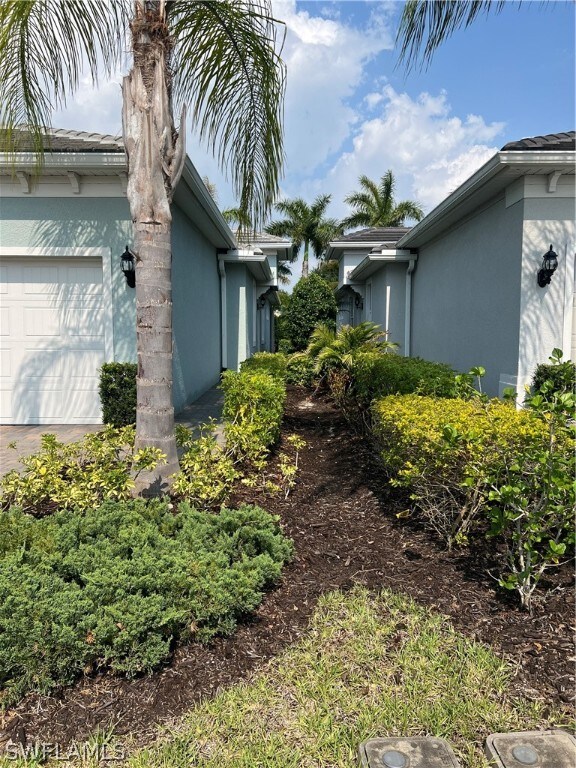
549	266
359	301
128	267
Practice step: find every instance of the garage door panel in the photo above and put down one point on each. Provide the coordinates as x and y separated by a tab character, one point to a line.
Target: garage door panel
40	280
41	322
52	327
6	414
4	321
88	321
6	367
40	404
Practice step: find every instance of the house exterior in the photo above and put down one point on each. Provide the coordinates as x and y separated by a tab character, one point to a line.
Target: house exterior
461	286
65	306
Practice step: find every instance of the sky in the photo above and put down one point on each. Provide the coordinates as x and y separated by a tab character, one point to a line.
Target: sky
351	108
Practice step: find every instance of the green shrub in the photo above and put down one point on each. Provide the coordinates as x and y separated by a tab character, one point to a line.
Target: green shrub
555	377
312	302
253	411
376	375
118	393
117	587
431	445
300	370
273	363
531	498
103	465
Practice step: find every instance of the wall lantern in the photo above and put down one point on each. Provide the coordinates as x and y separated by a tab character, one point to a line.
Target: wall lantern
549	266
128	267
261	301
359	302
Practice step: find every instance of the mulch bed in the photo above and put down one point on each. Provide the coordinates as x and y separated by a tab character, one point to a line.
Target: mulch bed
342	517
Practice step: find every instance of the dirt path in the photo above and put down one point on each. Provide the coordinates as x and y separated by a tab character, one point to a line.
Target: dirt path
342	519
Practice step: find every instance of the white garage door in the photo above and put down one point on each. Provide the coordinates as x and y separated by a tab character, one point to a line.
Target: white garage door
51	341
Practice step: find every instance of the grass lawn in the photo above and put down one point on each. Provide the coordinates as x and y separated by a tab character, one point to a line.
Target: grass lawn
369	666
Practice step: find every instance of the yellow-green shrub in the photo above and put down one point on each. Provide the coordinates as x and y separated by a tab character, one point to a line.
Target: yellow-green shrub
253	411
101	466
431	445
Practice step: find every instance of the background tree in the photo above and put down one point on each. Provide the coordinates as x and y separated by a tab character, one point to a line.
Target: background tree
375	205
220	57
426	24
306	225
312	301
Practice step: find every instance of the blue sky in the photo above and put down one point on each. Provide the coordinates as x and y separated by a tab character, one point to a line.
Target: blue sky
351	109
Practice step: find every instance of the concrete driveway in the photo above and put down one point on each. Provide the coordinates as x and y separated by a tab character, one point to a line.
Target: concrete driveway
26	439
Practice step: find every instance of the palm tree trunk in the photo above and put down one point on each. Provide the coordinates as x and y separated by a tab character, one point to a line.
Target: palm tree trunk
155	160
305	260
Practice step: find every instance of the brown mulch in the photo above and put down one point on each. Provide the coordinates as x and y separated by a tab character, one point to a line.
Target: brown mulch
342	517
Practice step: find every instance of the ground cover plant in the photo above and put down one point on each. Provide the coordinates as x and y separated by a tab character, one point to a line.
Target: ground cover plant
369	664
118	586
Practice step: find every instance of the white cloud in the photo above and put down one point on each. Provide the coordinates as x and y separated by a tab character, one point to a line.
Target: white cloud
429	150
325	60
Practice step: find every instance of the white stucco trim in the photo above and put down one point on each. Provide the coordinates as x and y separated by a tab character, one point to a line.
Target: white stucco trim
257	263
374	261
223	315
408	307
104	254
569	288
66	160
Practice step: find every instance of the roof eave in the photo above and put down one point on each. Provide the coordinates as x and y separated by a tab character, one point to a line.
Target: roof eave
497	163
375	261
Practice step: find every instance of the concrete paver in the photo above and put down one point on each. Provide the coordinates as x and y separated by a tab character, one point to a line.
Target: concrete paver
26	438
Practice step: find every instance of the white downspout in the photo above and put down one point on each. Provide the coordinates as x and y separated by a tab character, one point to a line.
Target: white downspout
408	307
223	315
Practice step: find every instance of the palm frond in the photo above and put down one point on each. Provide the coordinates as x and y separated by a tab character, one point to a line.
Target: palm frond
228	68
426	24
44	47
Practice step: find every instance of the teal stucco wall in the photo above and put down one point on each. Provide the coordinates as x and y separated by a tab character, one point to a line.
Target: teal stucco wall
196	311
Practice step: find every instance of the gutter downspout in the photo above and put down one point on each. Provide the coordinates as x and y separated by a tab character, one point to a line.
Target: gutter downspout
408	307
223	316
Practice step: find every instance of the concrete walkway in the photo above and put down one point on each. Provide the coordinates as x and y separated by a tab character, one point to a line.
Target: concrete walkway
26	439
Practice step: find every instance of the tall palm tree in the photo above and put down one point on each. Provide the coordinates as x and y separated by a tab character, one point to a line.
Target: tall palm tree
306	226
375	205
426	24
221	58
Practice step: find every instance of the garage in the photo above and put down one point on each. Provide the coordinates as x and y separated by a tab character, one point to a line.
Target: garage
52	340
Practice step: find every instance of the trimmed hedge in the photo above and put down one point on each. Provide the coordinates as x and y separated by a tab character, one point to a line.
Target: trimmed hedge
274	363
375	375
117	587
253	411
118	393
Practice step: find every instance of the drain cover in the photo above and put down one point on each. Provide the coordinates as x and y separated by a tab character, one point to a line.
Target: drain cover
536	749
402	752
